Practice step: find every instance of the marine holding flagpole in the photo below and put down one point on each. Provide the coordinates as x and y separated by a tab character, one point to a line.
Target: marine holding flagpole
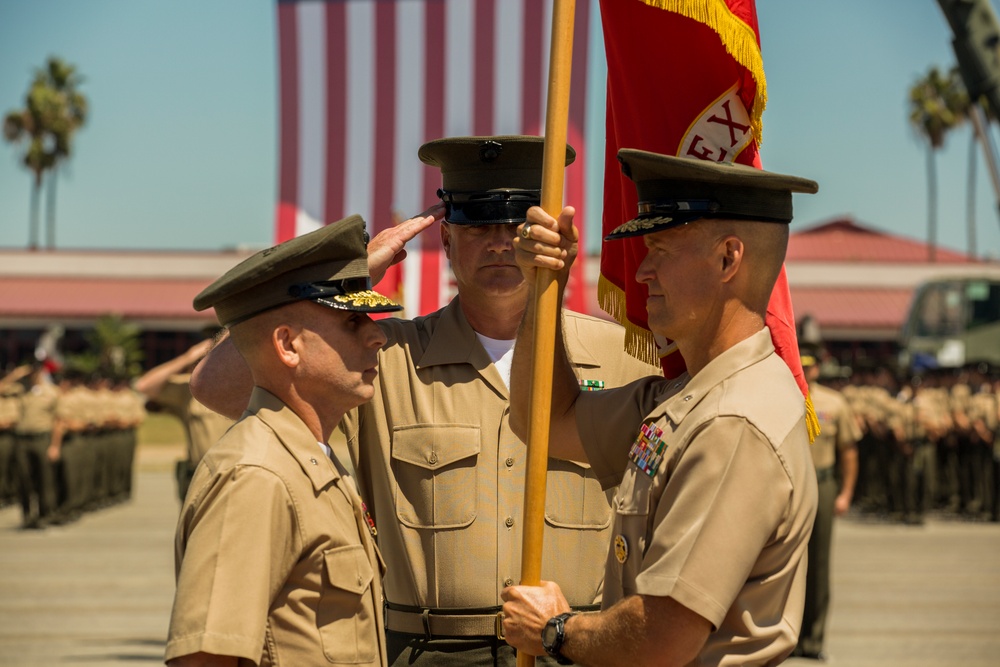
717	496
706	564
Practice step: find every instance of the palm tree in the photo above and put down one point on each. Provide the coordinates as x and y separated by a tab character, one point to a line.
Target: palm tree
54	110
936	104
62	78
114	344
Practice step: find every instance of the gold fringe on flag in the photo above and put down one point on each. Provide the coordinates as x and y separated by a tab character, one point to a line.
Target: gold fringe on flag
737	37
639	341
812	421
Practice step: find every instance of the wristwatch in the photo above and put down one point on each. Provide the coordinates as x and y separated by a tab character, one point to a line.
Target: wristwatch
553	636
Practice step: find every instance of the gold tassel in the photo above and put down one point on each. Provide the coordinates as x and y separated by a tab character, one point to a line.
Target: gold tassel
639	342
739	40
812	421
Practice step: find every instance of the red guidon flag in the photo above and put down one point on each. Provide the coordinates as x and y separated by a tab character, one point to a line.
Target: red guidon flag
685	78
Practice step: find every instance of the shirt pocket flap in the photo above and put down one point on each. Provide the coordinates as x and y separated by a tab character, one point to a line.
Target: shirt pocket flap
435	446
574	498
348	568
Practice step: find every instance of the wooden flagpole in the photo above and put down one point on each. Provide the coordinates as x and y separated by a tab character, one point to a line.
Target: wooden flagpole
546	303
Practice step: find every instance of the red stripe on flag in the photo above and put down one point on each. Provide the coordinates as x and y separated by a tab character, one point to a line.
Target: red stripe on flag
532	77
485	51
434	100
385	116
288	115
336	110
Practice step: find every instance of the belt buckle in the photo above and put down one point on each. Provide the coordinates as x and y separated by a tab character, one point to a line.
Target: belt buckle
498	626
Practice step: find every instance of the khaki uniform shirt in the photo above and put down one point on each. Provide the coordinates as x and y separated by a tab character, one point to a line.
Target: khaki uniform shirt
107	410
38	409
275	563
134	406
838	428
77	408
10	406
202	426
982	406
719	517
444	474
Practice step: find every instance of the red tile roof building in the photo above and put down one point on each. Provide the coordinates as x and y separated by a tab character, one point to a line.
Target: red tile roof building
856	282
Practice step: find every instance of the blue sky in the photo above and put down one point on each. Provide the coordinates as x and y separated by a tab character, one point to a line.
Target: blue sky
181	148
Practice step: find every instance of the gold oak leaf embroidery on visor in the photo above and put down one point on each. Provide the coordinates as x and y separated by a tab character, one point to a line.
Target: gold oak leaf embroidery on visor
363	298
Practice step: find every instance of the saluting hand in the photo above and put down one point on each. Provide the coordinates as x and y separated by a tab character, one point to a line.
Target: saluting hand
387	248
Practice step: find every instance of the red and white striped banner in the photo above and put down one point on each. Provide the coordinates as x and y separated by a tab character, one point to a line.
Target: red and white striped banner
363	83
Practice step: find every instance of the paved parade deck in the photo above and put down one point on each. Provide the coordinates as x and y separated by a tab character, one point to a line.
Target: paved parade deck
97	593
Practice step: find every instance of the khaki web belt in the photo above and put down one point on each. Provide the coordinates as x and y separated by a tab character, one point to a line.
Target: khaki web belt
452	622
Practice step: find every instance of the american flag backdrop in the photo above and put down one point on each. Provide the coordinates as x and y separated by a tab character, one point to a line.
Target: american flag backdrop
363	83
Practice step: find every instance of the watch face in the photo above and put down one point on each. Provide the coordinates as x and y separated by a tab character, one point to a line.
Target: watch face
549	635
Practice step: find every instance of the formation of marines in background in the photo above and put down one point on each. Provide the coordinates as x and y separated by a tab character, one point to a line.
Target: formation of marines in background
68	438
67	442
928	442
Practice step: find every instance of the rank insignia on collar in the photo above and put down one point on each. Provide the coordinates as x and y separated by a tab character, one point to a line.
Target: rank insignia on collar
648	448
621	548
591	385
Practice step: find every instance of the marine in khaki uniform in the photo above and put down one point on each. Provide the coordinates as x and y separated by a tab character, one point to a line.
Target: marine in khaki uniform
444	471
712	518
130	411
275	559
10	412
983	424
835	444
39	491
441	469
72	447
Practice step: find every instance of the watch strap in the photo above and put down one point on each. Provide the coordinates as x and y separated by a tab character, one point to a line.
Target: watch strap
555	649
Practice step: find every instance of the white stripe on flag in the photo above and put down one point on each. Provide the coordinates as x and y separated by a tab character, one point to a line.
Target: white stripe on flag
410	109
459	33
508	59
311	27
360	97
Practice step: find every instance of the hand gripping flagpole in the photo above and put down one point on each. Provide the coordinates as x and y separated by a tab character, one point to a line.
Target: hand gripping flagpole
546	303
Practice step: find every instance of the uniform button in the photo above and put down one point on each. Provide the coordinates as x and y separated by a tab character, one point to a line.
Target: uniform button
509	521
509	461
687	398
508	582
433	458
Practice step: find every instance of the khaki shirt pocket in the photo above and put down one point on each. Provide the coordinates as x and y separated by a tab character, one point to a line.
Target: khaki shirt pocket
346	614
436	478
629	539
574	498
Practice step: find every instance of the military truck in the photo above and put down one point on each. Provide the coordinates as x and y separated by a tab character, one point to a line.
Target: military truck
952	322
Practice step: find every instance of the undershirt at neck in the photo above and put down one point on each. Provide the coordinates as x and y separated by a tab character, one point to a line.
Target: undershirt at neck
501	354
